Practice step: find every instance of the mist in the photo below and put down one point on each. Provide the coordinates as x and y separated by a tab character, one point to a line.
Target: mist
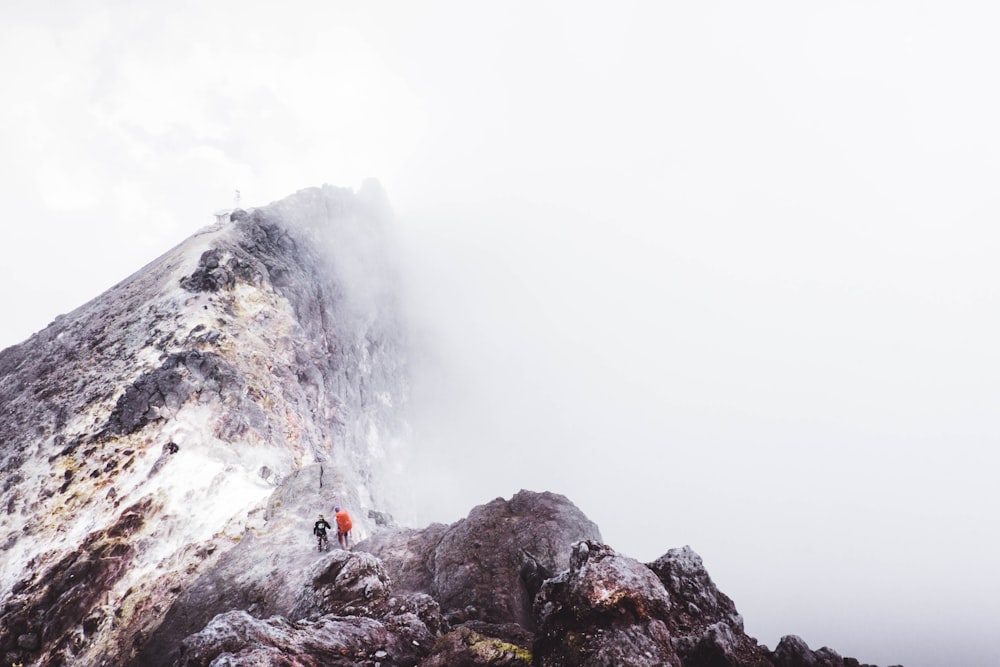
810	431
723	275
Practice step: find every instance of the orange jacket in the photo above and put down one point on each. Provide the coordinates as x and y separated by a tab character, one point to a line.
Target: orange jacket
343	521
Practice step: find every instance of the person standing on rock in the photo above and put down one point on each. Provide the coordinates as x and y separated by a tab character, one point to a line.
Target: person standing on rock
344	526
319	530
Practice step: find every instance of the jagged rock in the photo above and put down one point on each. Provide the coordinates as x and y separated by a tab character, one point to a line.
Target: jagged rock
44	611
464	647
792	651
368	627
162	391
490	565
273	569
706	629
238	639
607	609
212	275
381	518
408	555
344	583
270	343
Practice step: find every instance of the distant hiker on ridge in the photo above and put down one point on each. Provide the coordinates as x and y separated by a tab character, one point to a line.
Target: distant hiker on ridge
319	530
344	526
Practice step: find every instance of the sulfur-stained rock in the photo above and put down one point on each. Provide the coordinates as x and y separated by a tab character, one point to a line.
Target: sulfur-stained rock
464	647
44	612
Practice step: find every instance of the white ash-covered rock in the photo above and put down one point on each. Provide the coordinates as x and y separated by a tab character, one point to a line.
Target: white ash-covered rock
191	389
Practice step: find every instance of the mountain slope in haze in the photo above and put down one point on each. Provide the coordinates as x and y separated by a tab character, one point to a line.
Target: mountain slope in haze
144	432
166	447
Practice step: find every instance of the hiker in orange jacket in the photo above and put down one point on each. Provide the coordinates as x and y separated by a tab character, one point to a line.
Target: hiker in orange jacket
343	526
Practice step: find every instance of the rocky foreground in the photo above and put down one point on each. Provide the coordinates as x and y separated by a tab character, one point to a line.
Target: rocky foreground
519	582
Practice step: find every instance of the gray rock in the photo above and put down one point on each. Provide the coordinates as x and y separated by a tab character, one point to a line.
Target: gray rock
490	565
408	555
707	630
607	609
792	651
344	583
276	570
240	640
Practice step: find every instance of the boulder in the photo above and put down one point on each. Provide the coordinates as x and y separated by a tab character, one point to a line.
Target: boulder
705	627
237	639
344	583
489	566
792	651
606	609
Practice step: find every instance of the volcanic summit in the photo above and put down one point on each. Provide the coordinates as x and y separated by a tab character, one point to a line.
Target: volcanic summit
166	447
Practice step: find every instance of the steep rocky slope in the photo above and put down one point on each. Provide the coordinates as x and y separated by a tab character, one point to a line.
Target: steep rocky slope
166	447
142	434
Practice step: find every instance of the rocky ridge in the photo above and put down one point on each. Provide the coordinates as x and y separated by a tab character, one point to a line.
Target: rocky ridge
142	435
166	447
394	601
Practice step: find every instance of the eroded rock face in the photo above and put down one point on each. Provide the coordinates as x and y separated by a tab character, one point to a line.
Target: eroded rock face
265	574
247	353
65	603
707	631
408	554
489	566
344	615
607	609
792	651
344	583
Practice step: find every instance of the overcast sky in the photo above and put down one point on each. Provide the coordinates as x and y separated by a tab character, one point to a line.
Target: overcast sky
723	273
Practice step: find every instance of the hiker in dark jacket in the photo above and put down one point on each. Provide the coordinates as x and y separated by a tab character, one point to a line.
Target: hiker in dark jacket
319	530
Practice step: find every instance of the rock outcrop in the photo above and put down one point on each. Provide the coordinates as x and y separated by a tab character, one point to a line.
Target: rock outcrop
704	623
489	566
606	609
600	608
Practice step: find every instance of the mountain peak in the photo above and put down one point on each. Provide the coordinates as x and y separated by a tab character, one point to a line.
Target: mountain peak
187	391
166	448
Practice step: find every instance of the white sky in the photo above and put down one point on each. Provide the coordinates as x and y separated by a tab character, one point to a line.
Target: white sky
722	273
